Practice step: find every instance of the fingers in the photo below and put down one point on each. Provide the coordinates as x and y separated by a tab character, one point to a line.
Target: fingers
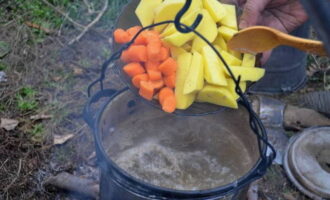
265	56
251	12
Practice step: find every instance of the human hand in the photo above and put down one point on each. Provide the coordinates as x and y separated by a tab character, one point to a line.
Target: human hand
283	15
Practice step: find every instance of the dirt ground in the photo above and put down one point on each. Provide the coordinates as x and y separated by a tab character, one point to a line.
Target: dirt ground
47	76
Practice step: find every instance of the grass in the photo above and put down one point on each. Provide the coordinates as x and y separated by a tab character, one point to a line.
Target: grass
26	99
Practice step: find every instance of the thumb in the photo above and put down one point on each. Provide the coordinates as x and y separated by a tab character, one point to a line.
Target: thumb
251	12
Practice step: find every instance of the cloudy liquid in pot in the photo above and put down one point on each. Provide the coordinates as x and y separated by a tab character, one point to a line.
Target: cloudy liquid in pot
184	155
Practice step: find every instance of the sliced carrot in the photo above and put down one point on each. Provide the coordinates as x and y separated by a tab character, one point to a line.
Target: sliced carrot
146	90
157	84
133	69
170	80
135	53
164	53
154	75
152	65
168	67
154	49
141	39
121	36
164	93
169	104
133	30
138	78
152	36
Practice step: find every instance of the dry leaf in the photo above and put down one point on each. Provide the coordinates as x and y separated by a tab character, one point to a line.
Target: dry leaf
61	139
8	124
41	116
78	71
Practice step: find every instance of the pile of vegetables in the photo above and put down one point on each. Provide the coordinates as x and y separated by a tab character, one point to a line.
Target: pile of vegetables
180	69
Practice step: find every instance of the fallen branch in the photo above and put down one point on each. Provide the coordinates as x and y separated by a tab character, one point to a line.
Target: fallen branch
97	18
65	15
296	118
36	26
75	184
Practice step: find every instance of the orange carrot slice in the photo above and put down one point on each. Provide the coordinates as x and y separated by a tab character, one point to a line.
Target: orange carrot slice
169	104
157	84
135	53
154	75
170	80
168	67
133	69
164	53
154	49
138	78
121	36
133	30
152	65
146	90
141	39
164	93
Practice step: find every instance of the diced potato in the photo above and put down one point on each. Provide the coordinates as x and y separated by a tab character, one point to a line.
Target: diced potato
213	70
249	60
217	95
143	11
208	28
230	59
221	42
226	32
216	9
247	73
195	79
237	54
167	11
232	87
178	39
176	51
187	20
183	101
187	47
230	19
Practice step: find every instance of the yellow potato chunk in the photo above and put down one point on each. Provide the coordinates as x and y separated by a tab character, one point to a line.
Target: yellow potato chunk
195	79
237	54
217	95
221	42
187	20
167	11
183	101
249	60
176	51
247	73
178	39
230	59
208	28
216	9
143	13
230	20
232	87
213	70
227	33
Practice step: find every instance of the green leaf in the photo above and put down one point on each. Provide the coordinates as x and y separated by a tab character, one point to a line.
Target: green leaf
4	49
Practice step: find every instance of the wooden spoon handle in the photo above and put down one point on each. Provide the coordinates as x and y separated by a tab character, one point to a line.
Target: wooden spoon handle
311	46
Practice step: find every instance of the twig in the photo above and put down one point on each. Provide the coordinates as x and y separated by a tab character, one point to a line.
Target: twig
97	18
36	26
66	15
89	7
4	163
17	175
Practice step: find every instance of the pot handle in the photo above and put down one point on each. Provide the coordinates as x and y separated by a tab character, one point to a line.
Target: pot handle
88	113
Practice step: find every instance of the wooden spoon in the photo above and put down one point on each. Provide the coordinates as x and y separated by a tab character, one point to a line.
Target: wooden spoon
257	39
